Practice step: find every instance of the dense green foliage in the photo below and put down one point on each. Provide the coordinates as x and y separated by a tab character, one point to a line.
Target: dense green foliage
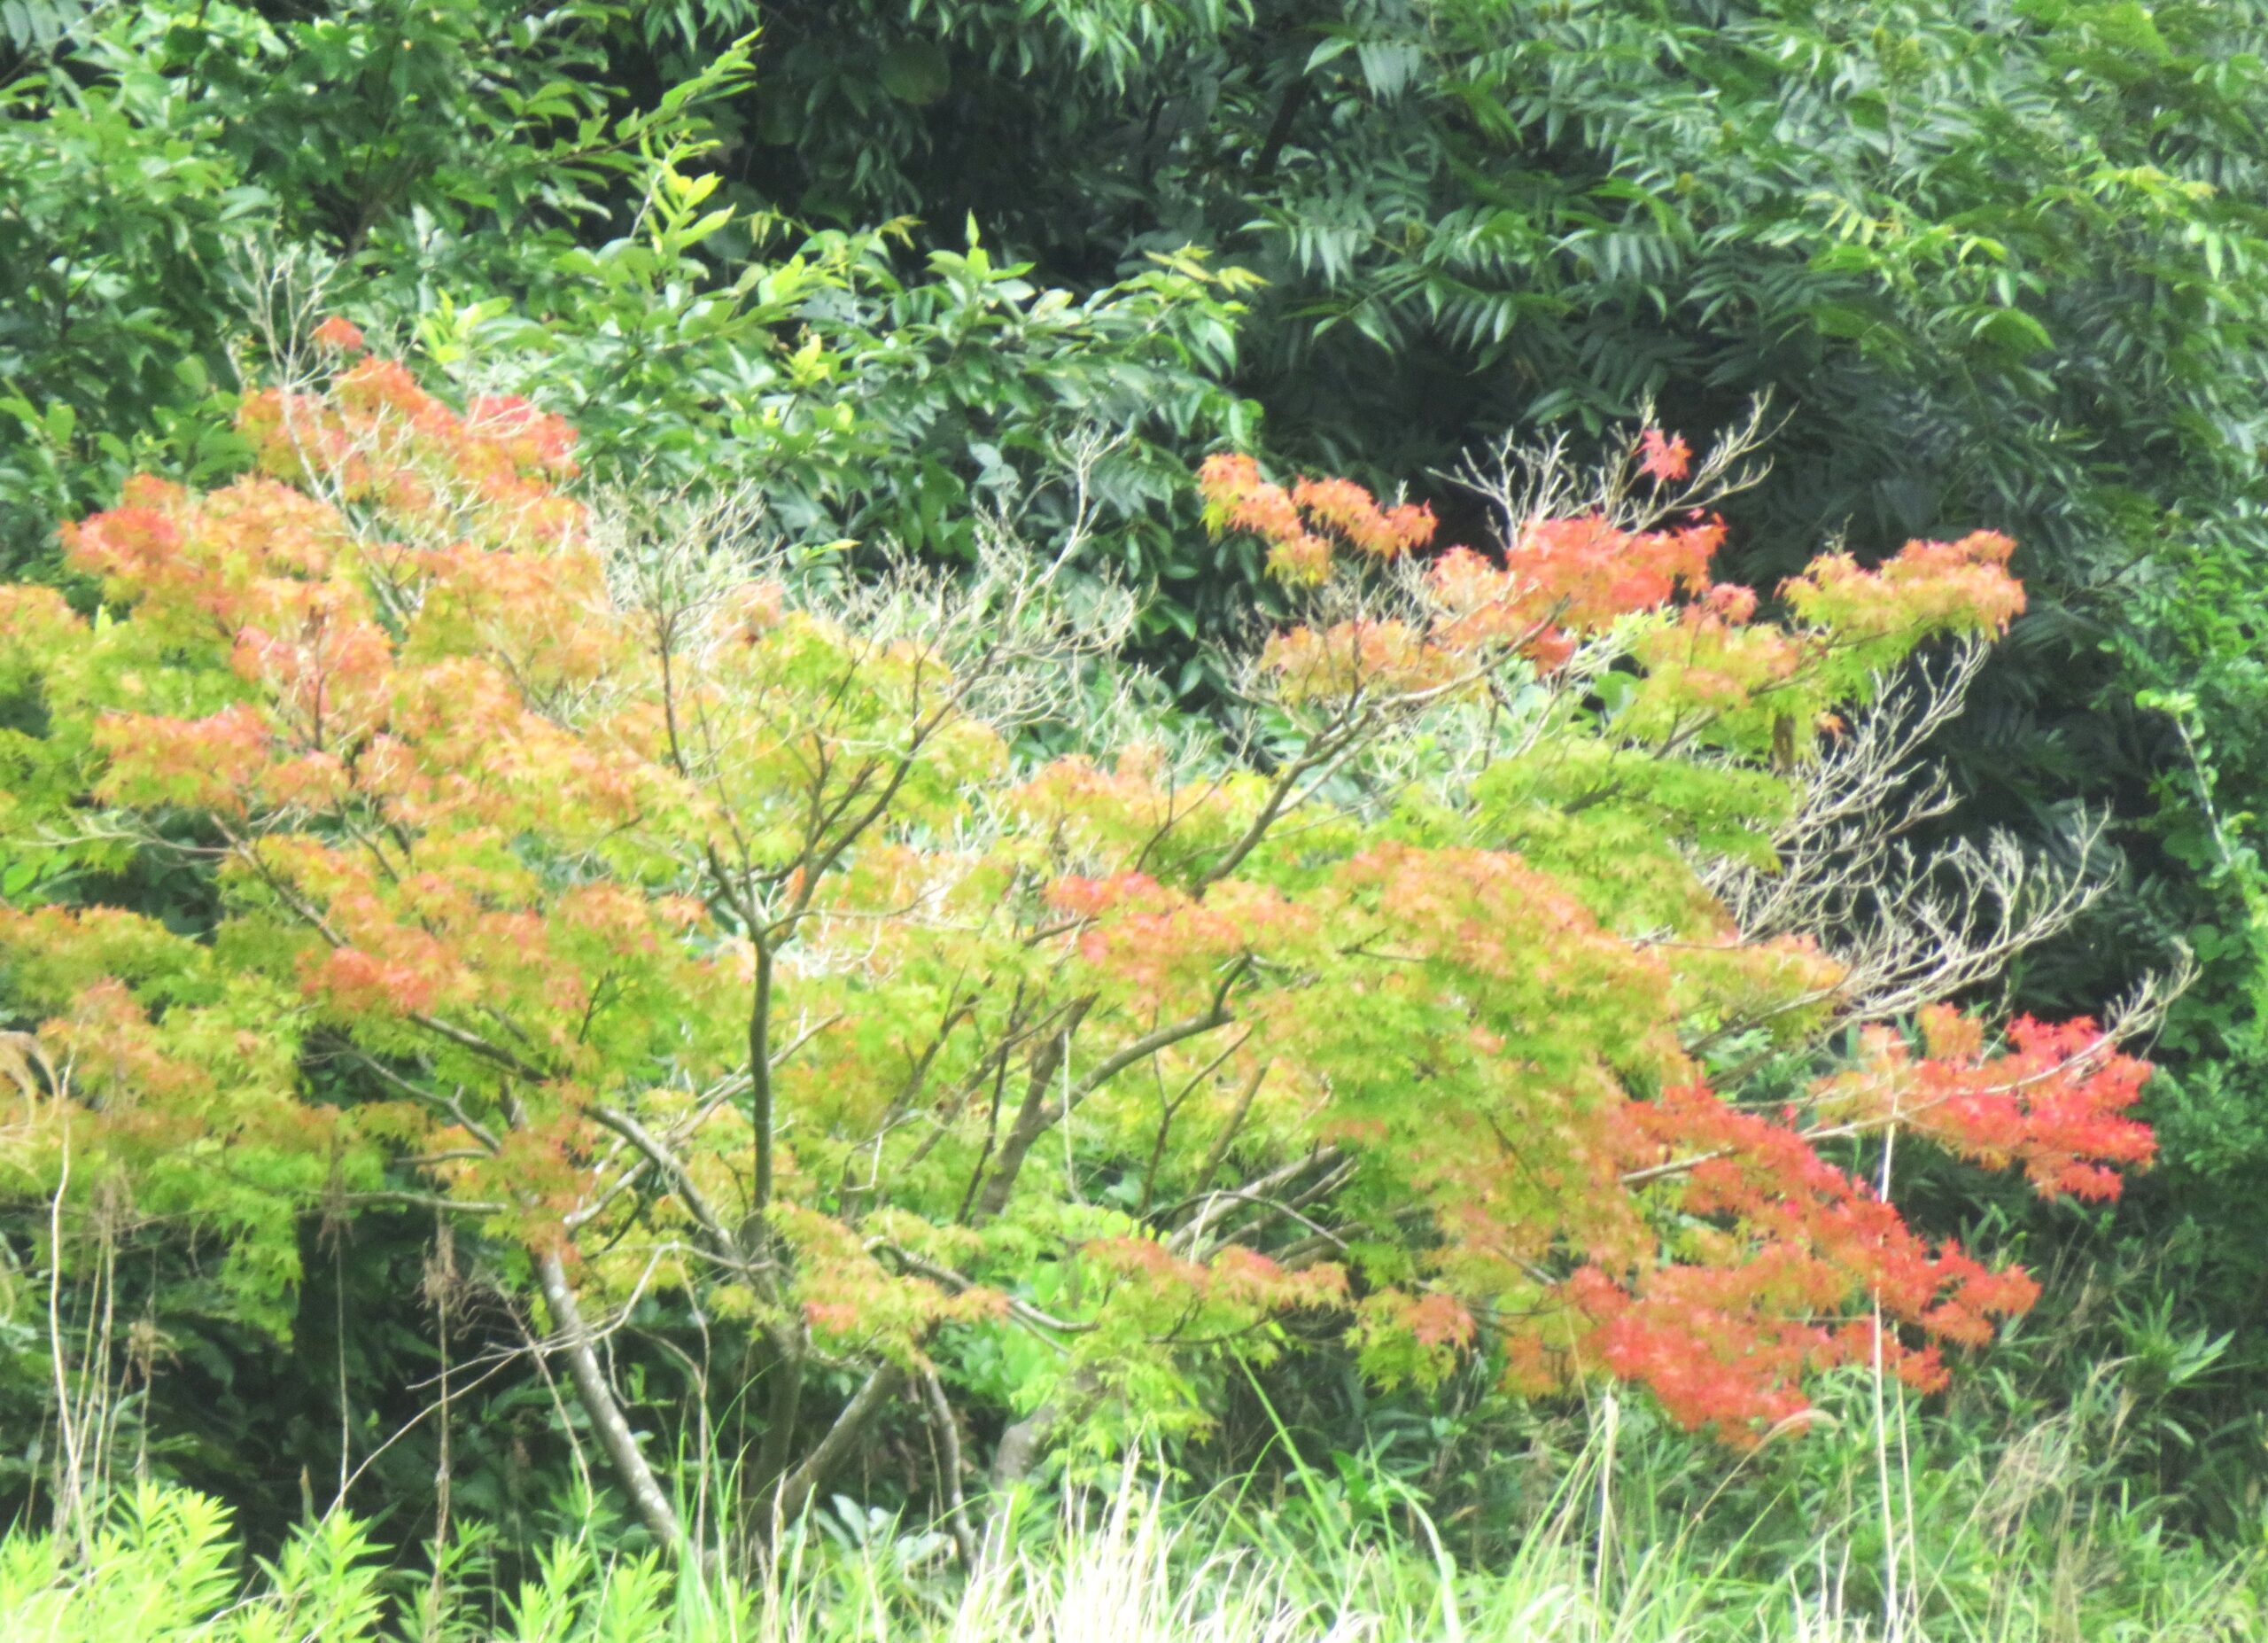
1995	263
894	268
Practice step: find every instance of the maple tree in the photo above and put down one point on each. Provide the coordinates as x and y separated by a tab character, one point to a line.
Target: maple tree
673	916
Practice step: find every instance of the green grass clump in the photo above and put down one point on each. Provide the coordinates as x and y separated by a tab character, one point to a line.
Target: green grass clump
1338	1558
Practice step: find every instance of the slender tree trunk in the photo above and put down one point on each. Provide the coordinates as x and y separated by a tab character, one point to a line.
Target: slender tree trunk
621	1445
782	1370
1020	1446
955	1501
1024	1440
851	1427
759	1088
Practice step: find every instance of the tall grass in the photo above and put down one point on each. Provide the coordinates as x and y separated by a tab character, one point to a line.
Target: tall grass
1610	1559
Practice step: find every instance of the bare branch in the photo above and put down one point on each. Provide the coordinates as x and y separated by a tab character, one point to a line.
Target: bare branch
1909	928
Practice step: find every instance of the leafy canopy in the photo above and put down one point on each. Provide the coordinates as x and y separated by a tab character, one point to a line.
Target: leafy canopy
665	917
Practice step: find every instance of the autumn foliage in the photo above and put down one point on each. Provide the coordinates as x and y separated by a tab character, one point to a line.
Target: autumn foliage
665	921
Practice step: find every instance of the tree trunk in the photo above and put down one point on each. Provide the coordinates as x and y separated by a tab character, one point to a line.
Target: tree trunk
794	1491
621	1445
1026	1440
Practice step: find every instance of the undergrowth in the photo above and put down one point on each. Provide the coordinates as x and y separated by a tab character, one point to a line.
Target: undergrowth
2020	1548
